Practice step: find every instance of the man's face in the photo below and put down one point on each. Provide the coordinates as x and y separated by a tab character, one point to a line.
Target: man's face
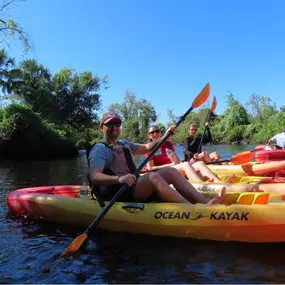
112	129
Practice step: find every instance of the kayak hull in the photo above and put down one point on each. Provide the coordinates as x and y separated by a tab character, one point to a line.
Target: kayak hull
278	188
272	168
245	217
270	155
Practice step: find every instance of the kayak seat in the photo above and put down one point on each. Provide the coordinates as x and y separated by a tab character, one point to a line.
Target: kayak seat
253	198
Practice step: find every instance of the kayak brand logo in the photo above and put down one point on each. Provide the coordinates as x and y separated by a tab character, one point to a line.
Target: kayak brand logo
179	215
229	216
205	189
226	216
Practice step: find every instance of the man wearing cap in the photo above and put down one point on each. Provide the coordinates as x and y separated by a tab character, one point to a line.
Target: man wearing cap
279	140
109	169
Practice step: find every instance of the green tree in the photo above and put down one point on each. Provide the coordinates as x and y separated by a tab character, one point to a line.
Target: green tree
9	28
261	108
137	116
77	96
10	77
23	134
36	89
235	113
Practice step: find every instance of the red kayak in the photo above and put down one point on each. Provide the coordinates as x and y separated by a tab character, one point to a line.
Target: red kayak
262	155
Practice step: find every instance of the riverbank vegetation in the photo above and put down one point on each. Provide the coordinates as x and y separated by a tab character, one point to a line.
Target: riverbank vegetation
45	115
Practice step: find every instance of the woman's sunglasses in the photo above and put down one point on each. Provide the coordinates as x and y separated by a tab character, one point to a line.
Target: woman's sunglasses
193	129
112	125
155	131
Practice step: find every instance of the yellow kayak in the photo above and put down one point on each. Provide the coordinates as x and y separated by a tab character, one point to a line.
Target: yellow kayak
271	168
243	184
246	217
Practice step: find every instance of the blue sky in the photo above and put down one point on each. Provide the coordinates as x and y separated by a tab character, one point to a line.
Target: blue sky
164	51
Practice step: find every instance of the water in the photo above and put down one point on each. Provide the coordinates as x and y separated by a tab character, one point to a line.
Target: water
29	250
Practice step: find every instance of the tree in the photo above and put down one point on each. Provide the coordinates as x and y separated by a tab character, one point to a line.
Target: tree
36	89
137	116
10	77
77	96
172	118
235	114
10	28
261	107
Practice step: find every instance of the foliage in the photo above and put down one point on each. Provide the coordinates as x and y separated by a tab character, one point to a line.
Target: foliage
36	89
10	77
77	97
261	107
9	28
24	135
88	137
137	115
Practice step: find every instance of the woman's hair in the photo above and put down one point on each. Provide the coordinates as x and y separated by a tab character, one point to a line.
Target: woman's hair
152	126
193	125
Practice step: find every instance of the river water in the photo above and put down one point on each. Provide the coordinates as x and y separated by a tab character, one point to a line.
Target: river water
29	250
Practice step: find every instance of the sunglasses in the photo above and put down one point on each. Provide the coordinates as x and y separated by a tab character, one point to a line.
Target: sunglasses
112	125
193	129
155	131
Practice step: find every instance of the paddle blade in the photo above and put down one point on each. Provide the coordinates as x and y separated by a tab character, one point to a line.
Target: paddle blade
242	153
75	245
214	104
202	97
242	159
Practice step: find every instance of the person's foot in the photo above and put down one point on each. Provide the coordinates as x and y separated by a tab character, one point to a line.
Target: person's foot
219	198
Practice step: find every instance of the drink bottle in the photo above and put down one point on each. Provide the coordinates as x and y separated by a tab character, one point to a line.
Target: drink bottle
84	192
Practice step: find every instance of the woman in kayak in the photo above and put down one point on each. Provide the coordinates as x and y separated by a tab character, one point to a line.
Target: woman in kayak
167	157
192	150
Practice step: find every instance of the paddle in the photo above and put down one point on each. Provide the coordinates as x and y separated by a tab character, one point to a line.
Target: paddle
245	152
212	109
77	242
237	159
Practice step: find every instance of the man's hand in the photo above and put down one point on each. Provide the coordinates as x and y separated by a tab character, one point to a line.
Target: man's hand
207	124
128	179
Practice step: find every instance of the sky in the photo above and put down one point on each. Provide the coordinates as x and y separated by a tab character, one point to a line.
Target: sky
162	50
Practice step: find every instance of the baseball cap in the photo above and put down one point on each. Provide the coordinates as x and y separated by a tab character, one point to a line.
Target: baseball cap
109	116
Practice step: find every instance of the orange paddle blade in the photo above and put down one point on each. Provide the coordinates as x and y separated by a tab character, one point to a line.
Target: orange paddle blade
243	152
214	104
202	97
75	245
242	159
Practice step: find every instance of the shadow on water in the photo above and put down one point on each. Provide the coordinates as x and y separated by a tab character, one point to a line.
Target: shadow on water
29	250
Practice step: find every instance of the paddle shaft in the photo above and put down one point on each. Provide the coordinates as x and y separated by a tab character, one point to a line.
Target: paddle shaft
212	109
218	161
141	166
200	145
